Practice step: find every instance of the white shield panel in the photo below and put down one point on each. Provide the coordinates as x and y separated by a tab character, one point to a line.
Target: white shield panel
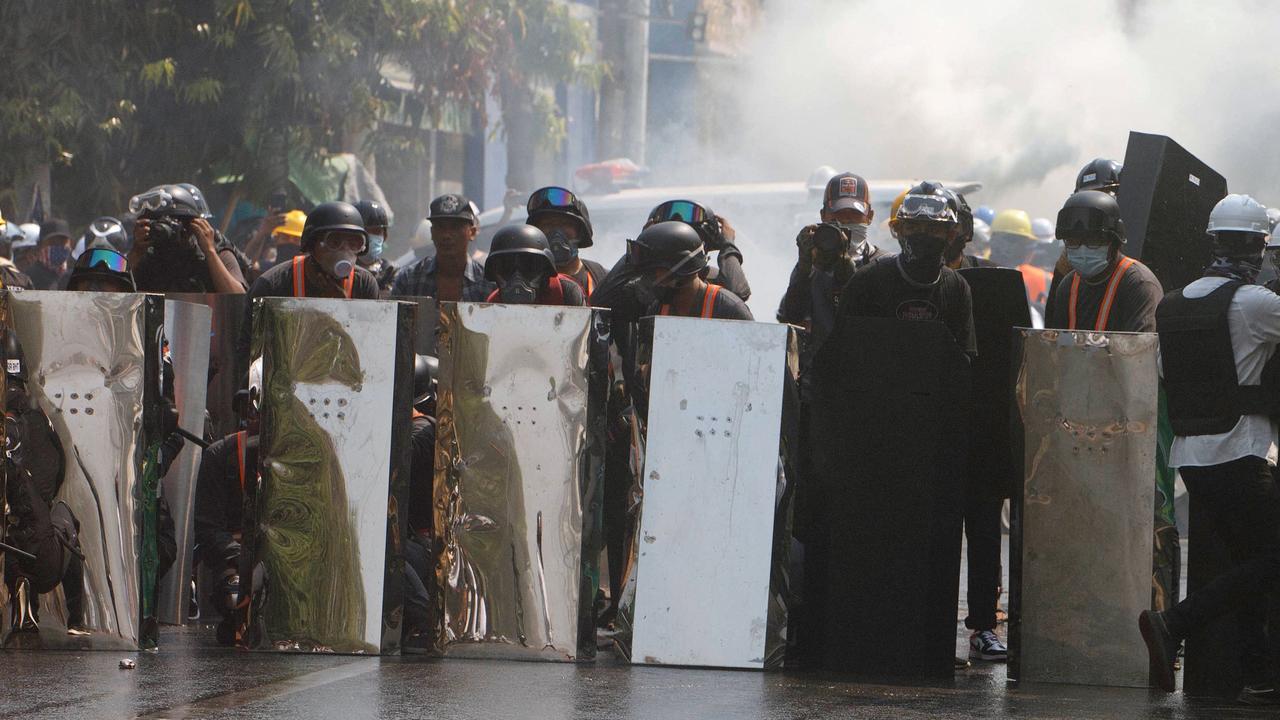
1081	548
702	575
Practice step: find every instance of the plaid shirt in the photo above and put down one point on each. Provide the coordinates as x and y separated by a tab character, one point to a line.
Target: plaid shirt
419	280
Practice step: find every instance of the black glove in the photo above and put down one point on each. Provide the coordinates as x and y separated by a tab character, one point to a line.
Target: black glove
804	242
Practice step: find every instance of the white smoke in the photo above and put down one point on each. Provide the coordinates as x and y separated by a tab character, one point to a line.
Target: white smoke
1016	95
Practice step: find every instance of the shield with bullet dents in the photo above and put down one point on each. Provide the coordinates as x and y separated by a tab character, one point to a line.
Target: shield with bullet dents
707	582
326	525
94	365
519	472
1080	545
186	327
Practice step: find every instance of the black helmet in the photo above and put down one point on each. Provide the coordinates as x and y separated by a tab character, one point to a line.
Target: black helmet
372	213
425	370
201	203
105	232
672	245
15	361
554	200
963	213
929	201
513	241
330	216
1100	174
167	201
1090	212
699	216
102	262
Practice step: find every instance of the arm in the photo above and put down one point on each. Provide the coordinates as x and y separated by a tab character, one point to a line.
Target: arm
258	243
796	302
225	271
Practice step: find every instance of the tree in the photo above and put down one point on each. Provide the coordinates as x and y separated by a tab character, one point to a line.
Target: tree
121	95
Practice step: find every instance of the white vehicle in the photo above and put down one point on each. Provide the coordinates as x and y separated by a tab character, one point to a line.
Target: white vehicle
766	217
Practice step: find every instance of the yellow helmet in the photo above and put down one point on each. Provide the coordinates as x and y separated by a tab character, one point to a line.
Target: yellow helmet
893	212
1013	222
294	221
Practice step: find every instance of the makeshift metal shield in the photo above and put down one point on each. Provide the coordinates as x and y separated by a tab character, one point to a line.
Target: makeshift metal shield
999	306
890	419
701	591
186	328
519	472
1080	547
327	524
227	371
94	371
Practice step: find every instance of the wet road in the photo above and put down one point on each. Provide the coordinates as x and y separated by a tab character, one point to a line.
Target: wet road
191	677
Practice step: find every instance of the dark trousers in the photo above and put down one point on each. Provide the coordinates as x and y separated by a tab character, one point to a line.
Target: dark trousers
1243	505
982	533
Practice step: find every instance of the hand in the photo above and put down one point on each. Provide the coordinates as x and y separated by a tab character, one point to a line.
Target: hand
269	223
727	232
141	232
804	241
204	236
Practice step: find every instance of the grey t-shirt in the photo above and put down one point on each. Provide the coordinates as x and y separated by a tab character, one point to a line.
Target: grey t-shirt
1132	310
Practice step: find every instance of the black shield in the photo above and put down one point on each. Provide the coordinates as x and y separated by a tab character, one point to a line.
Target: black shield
889	437
999	306
1166	194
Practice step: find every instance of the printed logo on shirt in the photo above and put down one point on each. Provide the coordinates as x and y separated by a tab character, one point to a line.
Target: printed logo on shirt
919	310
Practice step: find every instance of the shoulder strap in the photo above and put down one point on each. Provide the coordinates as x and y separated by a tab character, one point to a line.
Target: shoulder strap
493	297
240	454
1108	300
349	283
1071	303
555	291
709	301
299	277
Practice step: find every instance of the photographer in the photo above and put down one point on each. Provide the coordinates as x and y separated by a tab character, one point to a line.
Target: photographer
175	248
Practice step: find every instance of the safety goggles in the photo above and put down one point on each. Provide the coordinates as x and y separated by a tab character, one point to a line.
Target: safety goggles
338	240
151	201
934	208
643	259
552	198
105	259
1076	225
685	211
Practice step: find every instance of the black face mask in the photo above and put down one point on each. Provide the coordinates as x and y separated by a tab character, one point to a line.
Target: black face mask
518	288
562	248
923	251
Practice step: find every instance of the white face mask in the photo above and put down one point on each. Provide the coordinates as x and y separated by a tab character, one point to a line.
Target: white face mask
857	236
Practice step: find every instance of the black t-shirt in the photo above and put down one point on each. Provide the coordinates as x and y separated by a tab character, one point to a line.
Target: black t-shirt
177	269
589	276
1132	310
422	473
882	289
219	501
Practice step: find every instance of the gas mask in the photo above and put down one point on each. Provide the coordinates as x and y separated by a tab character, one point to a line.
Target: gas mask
519	288
562	248
342	265
376	243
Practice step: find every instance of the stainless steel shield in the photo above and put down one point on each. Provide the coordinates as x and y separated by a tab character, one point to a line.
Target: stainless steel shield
519	469
94	362
326	526
186	328
701	592
1080	570
227	371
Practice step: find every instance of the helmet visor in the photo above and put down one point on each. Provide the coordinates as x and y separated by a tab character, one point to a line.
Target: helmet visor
934	208
1081	222
552	198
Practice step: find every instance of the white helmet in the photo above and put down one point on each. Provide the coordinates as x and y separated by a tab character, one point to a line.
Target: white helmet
1273	217
30	236
1043	229
1240	213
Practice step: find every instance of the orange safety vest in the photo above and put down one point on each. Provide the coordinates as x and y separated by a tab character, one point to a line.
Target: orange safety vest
708	302
1108	299
1037	280
240	453
300	279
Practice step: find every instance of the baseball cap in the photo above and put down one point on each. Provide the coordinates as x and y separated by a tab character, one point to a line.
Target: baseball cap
56	227
454	206
846	190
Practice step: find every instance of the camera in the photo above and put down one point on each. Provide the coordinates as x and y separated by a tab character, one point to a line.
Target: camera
164	231
830	238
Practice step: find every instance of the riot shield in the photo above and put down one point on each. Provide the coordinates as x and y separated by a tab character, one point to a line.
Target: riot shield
1165	197
890	426
424	342
999	306
186	328
228	372
94	388
325	529
1081	541
700	591
519	472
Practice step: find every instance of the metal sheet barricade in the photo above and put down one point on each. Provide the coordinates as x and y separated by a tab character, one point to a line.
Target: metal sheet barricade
186	328
1081	543
94	361
228	372
702	587
326	526
519	470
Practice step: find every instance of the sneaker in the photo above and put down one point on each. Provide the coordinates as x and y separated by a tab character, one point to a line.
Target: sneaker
1260	694
986	645
1162	648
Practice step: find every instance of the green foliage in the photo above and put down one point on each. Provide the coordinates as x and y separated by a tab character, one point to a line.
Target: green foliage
124	94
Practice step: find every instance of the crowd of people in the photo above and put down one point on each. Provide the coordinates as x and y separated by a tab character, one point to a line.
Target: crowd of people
1217	335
